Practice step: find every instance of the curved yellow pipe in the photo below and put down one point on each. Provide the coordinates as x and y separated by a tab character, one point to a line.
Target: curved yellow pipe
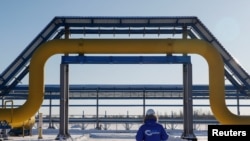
27	124
126	46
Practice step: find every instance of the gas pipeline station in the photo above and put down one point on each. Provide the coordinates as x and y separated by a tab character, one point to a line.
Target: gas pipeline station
65	36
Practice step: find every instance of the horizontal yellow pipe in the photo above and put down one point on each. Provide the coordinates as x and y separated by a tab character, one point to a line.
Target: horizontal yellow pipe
126	46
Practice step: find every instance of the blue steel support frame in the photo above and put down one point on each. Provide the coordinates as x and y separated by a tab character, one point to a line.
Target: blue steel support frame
116	60
125	59
124	26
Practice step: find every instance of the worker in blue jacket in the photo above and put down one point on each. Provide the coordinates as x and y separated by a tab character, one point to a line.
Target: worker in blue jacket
151	130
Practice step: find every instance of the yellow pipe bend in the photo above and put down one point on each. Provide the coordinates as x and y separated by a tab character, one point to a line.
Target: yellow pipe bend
27	124
126	46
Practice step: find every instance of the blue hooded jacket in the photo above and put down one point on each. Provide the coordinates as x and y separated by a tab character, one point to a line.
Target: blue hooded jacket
151	130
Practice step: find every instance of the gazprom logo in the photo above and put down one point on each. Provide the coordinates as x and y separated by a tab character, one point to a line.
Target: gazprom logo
151	132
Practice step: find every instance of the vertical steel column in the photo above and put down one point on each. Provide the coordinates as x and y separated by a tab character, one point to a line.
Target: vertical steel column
63	133
50	111
188	103
105	124
238	104
187	97
144	103
66	89
127	123
64	97
83	125
97	109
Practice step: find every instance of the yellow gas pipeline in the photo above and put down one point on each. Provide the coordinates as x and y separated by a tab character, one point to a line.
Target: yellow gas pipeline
125	46
26	125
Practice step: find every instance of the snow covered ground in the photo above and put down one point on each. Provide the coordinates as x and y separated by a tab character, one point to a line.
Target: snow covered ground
101	135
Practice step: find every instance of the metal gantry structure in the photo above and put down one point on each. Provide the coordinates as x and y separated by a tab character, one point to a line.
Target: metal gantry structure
113	26
118	91
124	27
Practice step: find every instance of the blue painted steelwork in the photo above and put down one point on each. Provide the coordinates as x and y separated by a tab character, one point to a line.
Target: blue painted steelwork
112	88
125	32
129	92
171	91
130	120
17	70
125	59
134	105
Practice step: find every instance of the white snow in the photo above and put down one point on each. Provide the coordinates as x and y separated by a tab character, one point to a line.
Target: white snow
101	135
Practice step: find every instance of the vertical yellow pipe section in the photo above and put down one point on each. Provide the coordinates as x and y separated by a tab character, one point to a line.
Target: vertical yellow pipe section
126	46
